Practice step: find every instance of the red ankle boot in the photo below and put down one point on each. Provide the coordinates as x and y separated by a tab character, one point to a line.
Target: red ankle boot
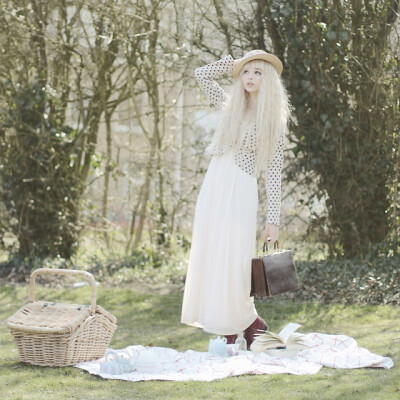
230	339
258	325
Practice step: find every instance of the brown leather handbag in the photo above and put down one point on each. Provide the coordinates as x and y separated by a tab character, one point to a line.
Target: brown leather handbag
273	273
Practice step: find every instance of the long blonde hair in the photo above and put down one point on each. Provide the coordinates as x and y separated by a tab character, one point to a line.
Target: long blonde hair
271	118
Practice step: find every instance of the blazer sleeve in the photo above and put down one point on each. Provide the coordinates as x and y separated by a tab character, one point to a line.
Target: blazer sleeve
273	180
205	77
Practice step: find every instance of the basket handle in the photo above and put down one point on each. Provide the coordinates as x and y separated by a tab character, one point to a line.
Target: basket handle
88	276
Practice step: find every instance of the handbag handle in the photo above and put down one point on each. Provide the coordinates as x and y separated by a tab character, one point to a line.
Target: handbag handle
265	246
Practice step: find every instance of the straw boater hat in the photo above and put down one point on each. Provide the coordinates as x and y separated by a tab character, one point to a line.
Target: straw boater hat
257	55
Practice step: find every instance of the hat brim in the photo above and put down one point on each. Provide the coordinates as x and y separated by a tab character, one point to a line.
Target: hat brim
269	58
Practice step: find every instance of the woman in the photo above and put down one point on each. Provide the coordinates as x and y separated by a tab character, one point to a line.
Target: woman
249	139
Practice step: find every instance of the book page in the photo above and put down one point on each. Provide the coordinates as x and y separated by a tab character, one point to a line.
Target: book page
274	335
296	339
269	339
262	343
288	330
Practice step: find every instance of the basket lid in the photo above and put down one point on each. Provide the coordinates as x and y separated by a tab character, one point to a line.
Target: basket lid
47	317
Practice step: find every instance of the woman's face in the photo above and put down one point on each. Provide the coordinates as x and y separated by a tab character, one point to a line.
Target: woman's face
251	78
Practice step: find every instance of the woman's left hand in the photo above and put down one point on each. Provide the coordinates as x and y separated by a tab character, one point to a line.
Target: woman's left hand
271	232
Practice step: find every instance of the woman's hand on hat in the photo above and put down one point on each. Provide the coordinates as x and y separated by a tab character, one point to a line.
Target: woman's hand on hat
271	232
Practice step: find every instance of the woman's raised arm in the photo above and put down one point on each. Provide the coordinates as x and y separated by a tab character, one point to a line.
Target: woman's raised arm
205	77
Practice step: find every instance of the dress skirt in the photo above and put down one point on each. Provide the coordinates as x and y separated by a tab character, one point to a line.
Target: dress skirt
218	282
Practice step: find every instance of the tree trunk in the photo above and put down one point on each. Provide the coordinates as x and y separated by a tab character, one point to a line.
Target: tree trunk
107	174
144	202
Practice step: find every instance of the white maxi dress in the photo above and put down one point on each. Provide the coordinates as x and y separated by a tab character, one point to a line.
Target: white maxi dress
218	282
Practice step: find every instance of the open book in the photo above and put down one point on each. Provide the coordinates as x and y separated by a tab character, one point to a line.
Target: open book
287	339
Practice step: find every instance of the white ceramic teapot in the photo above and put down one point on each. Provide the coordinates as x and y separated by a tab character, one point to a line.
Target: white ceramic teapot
217	346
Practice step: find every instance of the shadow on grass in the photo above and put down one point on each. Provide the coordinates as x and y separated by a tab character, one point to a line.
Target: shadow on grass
155	319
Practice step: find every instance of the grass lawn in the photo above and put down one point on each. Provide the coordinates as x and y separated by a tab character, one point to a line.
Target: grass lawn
150	318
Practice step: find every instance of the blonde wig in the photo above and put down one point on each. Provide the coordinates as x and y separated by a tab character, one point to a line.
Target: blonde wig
271	117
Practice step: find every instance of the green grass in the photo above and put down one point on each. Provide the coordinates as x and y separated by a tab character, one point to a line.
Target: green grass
150	318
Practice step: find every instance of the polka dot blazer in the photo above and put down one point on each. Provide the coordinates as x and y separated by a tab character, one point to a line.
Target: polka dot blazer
245	156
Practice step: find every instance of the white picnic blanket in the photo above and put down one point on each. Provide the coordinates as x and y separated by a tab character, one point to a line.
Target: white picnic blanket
334	351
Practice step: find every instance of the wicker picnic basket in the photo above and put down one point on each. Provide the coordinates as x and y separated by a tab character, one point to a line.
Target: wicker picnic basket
56	334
